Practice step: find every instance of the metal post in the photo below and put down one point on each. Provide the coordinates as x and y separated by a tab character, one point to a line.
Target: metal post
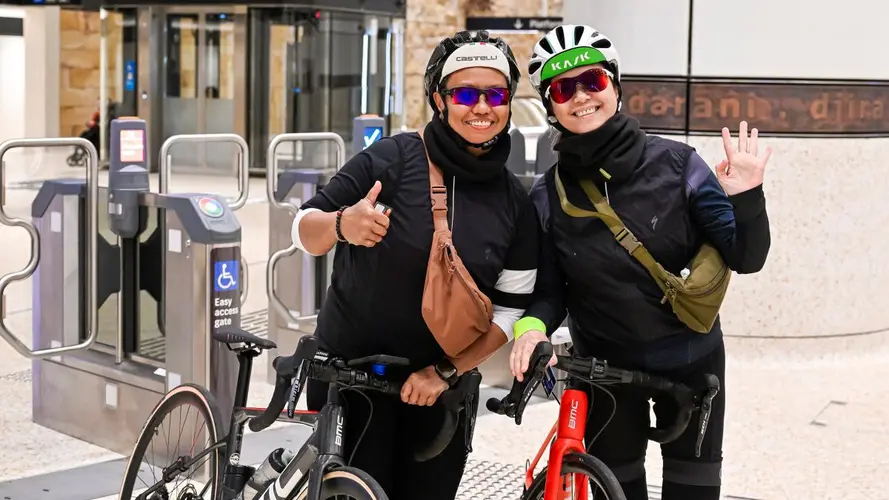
271	186
92	206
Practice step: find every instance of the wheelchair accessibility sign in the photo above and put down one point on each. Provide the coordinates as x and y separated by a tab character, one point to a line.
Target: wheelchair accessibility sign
225	276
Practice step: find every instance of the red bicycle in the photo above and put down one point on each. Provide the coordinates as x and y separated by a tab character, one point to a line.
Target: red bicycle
571	472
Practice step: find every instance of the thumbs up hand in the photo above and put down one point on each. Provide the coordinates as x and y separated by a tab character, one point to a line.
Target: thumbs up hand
361	224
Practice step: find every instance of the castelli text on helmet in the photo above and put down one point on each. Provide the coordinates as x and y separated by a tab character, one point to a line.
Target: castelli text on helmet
476	58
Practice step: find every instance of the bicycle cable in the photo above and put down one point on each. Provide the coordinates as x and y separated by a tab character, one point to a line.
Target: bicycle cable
370	416
600	386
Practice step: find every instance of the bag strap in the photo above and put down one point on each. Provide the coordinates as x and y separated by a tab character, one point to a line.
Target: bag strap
437	191
622	235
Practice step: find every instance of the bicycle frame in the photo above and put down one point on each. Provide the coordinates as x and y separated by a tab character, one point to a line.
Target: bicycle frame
322	451
569	432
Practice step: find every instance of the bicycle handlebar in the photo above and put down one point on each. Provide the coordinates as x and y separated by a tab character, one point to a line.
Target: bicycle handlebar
594	370
311	362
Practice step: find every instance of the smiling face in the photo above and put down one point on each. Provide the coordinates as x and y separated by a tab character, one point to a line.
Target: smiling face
587	110
477	121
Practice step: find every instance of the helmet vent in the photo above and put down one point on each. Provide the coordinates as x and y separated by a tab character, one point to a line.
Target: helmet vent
544	44
578	33
534	66
560	36
602	43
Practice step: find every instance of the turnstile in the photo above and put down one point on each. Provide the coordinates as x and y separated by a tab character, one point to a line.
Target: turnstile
294	308
182	250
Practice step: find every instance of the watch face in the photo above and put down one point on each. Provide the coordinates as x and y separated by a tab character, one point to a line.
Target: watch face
446	370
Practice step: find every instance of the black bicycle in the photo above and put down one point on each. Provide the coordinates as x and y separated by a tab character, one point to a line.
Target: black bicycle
318	471
571	471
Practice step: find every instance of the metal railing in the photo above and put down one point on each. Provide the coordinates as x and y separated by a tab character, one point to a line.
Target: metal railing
271	186
92	230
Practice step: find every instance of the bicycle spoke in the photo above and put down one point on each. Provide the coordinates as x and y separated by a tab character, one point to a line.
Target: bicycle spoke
172	458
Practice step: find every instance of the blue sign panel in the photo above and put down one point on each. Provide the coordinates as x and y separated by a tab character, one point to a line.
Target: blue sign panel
372	135
225	275
129	79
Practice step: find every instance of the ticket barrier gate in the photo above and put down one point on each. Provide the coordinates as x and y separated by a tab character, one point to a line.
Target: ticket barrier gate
102	389
294	308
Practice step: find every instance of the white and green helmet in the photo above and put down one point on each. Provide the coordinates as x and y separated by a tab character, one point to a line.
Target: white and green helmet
567	47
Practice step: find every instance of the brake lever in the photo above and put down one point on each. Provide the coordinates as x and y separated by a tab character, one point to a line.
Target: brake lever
296	389
706	408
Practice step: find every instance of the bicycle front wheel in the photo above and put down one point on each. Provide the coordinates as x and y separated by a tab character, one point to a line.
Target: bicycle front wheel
603	485
177	448
348	483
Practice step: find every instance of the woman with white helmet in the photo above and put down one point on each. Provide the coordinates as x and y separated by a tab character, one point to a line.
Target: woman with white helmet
669	199
375	304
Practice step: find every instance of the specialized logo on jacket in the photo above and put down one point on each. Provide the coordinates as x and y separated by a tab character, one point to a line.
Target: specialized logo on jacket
570	59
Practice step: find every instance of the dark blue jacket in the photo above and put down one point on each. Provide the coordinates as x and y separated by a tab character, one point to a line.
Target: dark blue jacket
672	203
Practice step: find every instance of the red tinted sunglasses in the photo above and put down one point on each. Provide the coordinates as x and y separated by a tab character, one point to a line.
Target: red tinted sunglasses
469	96
593	80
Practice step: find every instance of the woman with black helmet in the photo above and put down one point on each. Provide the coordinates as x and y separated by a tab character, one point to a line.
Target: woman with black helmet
665	196
374	302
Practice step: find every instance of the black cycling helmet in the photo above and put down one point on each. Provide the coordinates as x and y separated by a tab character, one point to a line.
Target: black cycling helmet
433	78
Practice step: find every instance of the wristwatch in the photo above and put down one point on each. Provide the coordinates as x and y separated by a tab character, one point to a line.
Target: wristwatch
447	371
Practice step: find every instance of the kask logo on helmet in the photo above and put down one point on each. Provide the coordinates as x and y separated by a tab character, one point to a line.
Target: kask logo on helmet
580	56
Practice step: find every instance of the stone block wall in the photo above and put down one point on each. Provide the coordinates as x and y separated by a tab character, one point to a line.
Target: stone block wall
79	40
428	21
281	37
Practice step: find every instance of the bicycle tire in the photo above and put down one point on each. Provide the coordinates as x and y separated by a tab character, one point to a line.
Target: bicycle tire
581	463
186	394
348	482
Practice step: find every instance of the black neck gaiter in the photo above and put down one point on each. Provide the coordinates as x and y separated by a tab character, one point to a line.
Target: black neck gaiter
608	154
445	151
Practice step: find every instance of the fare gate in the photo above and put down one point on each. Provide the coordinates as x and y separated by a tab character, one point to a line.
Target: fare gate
243	165
294	308
182	250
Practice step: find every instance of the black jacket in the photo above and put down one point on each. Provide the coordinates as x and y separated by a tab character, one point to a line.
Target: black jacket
373	303
672	203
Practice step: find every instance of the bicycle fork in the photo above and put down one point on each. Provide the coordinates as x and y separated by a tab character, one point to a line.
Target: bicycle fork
569	439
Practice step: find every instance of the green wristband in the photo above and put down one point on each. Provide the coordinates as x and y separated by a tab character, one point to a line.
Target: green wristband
527	324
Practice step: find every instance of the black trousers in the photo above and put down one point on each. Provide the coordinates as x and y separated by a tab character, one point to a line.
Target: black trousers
394	431
623	443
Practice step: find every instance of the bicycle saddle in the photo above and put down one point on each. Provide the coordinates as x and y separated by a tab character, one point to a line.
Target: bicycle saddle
237	335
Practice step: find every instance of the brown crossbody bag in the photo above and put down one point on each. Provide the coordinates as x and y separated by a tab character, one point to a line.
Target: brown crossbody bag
455	310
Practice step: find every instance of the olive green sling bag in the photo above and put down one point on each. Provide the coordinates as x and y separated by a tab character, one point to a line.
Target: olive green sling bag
696	296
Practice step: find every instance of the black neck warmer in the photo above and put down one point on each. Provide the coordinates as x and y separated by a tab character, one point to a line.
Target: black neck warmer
615	148
446	152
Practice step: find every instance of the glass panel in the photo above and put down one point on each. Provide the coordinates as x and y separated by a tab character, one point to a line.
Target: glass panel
121	45
180	104
149	337
218	65
345	79
289	61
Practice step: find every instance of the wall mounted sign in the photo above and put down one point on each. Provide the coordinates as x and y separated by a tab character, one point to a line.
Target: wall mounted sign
775	107
512	23
12	26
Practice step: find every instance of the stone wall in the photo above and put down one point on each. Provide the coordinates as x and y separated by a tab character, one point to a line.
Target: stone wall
281	38
428	21
79	40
